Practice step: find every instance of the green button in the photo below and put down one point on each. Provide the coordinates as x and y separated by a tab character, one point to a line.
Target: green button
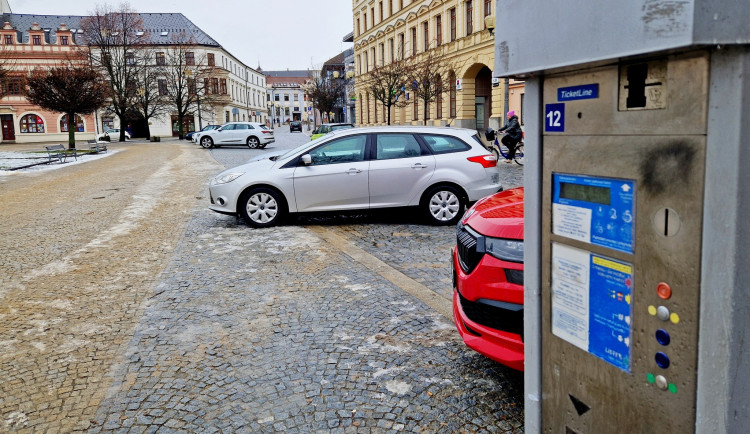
650	378
672	388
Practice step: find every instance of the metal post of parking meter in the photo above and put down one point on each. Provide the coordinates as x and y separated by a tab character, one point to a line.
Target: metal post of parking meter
636	306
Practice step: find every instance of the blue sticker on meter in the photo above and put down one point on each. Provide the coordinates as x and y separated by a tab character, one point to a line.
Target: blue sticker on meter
554	118
598	211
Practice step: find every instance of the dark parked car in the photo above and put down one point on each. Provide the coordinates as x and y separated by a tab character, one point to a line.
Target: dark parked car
295	126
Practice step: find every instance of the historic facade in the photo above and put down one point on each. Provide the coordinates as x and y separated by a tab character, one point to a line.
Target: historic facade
392	29
31	41
286	99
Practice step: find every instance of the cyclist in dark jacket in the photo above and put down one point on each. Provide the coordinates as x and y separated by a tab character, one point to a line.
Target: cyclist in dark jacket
513	135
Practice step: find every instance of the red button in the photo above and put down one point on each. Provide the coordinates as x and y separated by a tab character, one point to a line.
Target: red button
664	291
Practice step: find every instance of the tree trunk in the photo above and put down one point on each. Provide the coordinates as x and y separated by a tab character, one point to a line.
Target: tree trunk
180	128
148	131
71	130
122	127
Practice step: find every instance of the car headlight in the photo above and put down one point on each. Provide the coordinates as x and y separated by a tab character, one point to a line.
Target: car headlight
227	177
505	250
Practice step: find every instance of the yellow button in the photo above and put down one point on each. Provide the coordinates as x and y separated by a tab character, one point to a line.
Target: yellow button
652	310
674	318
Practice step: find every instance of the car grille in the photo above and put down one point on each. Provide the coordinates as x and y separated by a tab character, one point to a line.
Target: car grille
466	244
493	317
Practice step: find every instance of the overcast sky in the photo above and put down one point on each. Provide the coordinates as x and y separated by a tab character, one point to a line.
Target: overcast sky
277	34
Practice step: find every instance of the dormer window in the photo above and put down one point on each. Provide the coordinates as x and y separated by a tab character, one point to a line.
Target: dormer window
64	40
8	39
36	39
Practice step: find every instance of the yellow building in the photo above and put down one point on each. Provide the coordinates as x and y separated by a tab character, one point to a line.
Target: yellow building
385	30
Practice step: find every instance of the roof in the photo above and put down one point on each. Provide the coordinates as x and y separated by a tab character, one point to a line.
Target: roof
154	26
289	73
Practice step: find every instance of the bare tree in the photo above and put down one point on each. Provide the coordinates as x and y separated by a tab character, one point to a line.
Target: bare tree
115	38
388	84
188	81
427	78
149	101
73	89
324	92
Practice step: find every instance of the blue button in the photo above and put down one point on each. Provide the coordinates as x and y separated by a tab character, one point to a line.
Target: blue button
663	337
662	360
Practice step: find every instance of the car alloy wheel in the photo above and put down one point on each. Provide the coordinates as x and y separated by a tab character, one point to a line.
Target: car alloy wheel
206	142
443	205
253	142
261	207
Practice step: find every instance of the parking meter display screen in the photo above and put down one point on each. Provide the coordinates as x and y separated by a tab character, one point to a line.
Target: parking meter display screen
598	211
585	193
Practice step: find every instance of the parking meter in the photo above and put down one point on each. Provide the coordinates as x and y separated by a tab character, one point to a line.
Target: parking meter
634	189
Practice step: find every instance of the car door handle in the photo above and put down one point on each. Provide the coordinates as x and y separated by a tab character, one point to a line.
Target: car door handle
419	166
354	171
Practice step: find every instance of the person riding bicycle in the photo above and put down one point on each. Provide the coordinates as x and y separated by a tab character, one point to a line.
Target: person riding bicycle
512	136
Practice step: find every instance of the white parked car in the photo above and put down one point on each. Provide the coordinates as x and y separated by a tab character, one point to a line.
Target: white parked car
113	134
437	169
251	134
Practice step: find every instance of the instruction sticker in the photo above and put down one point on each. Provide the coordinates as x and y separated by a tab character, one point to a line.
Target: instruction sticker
594	210
591	303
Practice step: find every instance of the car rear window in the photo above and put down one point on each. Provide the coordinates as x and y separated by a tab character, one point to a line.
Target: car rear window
341	127
444	144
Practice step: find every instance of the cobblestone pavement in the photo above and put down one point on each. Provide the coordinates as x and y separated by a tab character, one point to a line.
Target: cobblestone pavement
127	306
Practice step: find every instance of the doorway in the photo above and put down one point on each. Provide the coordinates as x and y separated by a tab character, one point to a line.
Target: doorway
483	98
9	131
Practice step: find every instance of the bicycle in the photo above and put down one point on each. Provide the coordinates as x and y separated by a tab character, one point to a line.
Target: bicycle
499	149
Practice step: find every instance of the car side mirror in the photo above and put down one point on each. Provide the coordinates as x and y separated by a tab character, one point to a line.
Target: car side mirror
306	159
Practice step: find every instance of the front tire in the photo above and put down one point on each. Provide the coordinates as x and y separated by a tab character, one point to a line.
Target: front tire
261	207
443	205
207	142
253	142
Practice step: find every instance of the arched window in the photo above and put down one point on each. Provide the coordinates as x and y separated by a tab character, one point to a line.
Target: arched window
452	78
32	123
439	97
64	124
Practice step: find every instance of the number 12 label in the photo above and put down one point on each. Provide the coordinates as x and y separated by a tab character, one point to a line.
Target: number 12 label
554	117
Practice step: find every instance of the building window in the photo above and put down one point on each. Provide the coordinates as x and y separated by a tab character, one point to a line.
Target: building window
382	54
8	39
487	8
438	30
413	41
382	16
439	97
286	97
359	28
367	65
296	97
452	96
415	114
215	86
390	48
192	87
64	40
374	59
210	59
162	83
364	15
372	17
453	24
223	86
376	110
368	108
390	7
426	32
64	124
359	64
32	124
276	97
129	59
400	45
160	60
13	85
189	58
36	40
469	17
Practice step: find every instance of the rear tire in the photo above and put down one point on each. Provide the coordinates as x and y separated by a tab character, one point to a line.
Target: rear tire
519	157
253	142
207	142
443	205
261	207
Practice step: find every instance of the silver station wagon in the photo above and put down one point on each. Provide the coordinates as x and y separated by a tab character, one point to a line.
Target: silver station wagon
438	170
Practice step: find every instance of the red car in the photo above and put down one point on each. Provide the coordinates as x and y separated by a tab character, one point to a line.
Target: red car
488	278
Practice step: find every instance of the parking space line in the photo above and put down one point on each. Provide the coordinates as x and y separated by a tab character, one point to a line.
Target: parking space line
437	302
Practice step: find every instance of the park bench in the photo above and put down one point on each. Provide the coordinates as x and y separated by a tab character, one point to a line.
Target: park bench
95	147
59	153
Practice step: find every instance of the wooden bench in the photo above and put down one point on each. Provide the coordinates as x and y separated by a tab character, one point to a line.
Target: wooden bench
59	153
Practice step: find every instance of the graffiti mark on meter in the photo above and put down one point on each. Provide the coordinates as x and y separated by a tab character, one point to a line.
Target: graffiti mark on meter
667	222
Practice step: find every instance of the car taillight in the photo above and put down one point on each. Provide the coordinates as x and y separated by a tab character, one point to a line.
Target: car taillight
486	161
266	132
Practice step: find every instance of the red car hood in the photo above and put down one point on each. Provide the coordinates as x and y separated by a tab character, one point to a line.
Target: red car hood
499	215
